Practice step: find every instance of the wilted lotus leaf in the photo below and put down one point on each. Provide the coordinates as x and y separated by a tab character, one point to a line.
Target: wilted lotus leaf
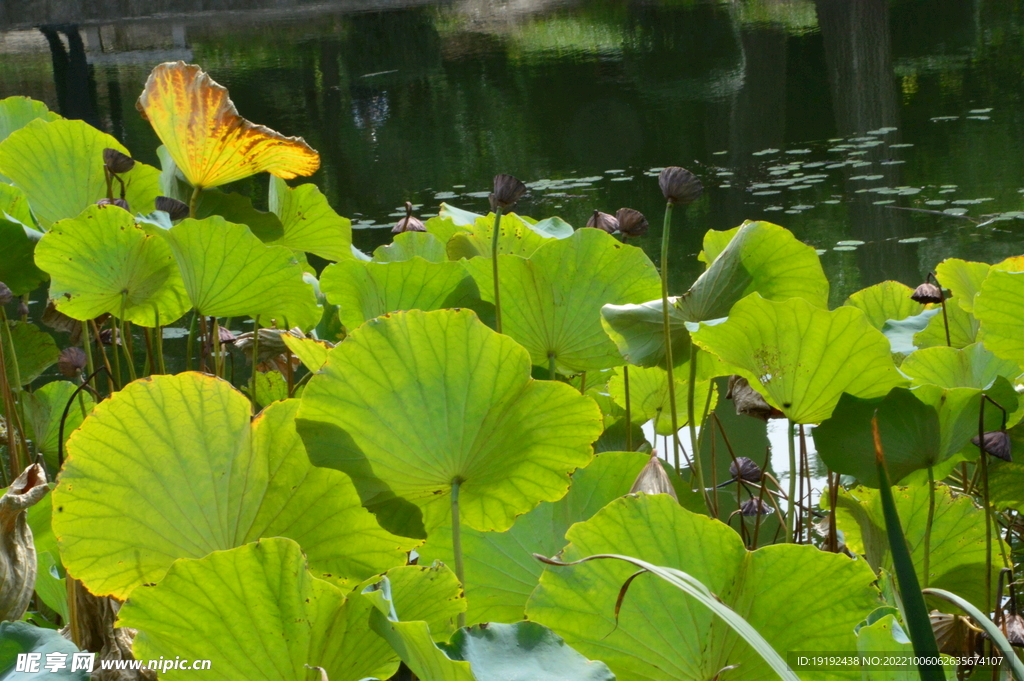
1000	308
413	402
308	221
884	301
554	298
653	479
59	166
748	401
800	357
260	615
194	476
665	635
17	112
17	551
210	143
101	261
228	272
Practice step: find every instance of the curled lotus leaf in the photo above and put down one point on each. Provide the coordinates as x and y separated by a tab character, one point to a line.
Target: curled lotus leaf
888	300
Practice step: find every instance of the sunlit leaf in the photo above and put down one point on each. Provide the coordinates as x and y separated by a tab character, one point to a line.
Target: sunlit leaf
309	222
969	367
44	409
963	278
209	142
639	334
18	241
889	300
311	352
649	397
516	238
963	328
1000	308
233	207
33	348
17	112
407	245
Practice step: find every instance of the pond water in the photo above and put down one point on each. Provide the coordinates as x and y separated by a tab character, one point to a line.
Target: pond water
829	117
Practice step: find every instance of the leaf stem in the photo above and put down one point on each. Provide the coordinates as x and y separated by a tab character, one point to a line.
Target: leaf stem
551	367
494	269
124	338
666	230
629	414
190	343
698	472
193	202
928	526
255	361
457	543
791	501
988	507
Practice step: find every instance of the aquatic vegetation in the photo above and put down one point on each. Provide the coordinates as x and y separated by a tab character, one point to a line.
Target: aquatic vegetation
435	458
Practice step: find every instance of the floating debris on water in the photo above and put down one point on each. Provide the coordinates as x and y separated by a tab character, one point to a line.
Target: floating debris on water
913	240
765	152
845	248
955	211
850	242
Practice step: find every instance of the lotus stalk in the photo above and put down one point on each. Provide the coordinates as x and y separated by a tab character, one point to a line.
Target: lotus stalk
507	191
460	570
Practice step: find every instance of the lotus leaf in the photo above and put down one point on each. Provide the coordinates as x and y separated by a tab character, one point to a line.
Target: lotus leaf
210	143
193	476
901	333
963	278
648	390
517	237
364	290
970	367
1000	308
889	300
309	222
800	357
50	576
101	262
17	268
257	613
555	296
312	353
266	226
17	112
786	592
44	409
886	636
34	349
20	637
638	332
14	204
414	402
59	166
957	560
410	244
427	593
1006	479
269	387
228	272
963	328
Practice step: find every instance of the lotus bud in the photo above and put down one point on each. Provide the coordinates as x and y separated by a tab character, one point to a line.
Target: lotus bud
748	401
507	192
71	361
632	223
927	293
178	210
745	469
22	309
120	203
754	506
408	223
17	550
5	294
997	443
116	162
653	479
679	185
604	222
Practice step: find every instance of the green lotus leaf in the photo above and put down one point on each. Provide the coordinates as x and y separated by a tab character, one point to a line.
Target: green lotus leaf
364	290
270	386
311	352
553	227
458	217
257	613
228	272
1006	479
639	334
21	637
309	222
517	237
407	245
101	261
958	410
18	268
233	207
553	300
59	166
44	409
427	593
34	349
957	558
649	397
501	571
15	205
963	278
414	401
1000	309
963	329
17	112
50	576
800	357
170	468
783	591
887	637
970	367
889	300
760	257
445	226
901	333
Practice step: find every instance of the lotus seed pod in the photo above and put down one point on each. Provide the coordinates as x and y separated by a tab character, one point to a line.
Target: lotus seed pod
927	293
116	162
997	443
507	192
17	551
653	479
5	294
71	362
178	210
632	223
679	185
755	506
22	309
745	469
408	223
120	203
604	222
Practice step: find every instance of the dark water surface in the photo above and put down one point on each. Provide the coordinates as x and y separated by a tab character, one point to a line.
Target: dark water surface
821	116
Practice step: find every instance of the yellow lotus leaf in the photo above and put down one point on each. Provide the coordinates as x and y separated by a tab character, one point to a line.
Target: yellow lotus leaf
210	143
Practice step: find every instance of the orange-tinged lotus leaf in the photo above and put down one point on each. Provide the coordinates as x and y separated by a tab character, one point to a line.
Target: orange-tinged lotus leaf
210	143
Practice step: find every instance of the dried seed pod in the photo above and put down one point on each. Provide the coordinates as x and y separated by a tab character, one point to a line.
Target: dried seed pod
5	294
679	185
178	210
632	223
748	401
71	361
110	337
507	192
271	345
116	162
408	223
22	309
745	469
120	203
604	222
226	335
653	479
17	550
755	506
997	443
927	293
